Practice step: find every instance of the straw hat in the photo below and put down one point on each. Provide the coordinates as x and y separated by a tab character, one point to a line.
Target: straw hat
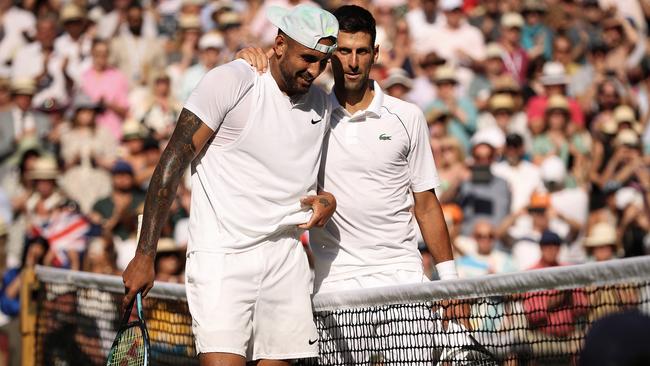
72	12
229	19
493	50
512	20
502	101
23	86
624	113
506	84
603	233
434	114
133	130
189	21
168	245
445	74
45	168
557	102
397	76
627	137
534	5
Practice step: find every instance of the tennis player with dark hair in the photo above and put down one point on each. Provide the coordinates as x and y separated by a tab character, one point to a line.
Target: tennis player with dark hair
377	161
255	144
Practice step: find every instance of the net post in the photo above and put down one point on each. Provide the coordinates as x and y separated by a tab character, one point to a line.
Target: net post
28	316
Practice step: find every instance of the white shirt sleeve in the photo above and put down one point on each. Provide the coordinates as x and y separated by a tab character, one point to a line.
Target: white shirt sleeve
219	91
424	175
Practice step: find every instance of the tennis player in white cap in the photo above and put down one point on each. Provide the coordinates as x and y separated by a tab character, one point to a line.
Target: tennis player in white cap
255	146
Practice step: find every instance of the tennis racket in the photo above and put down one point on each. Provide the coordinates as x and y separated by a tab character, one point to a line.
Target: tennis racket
131	344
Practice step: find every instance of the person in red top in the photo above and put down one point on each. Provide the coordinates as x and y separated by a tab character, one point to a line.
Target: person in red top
555	82
553	315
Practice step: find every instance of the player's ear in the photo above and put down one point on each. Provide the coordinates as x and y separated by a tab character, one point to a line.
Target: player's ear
376	55
280	45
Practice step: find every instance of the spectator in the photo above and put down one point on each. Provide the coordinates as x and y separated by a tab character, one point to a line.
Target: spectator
422	21
116	213
504	113
423	91
523	177
108	86
484	259
185	53
210	47
135	53
536	37
88	151
115	23
554	80
100	258
481	86
169	261
483	195
521	231
230	25
452	169
47	195
17	23
515	58
75	43
21	121
602	242
134	135
454	38
398	84
41	62
158	109
487	18
462	110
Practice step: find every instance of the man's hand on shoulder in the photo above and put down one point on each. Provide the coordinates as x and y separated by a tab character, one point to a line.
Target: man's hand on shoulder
256	57
323	205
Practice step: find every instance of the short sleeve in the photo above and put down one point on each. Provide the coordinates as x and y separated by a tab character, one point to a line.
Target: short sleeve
219	91
422	167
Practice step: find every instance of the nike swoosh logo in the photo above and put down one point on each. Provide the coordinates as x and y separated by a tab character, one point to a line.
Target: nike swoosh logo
312	342
315	122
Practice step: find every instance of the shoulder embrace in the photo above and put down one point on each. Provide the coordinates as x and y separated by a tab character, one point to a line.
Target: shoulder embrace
237	70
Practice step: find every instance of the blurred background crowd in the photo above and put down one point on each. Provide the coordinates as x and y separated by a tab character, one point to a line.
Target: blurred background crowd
538	113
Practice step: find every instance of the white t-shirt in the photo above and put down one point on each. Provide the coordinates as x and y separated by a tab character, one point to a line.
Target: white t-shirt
248	181
522	179
372	163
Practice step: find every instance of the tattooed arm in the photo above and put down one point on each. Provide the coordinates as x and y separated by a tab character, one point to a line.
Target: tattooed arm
189	137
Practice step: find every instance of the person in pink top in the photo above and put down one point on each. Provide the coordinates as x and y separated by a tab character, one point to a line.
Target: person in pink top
555	82
109	87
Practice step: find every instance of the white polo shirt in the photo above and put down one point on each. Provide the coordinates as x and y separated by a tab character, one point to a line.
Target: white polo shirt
265	156
372	163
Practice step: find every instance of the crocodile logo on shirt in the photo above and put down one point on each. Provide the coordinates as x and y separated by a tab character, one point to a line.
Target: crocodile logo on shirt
384	137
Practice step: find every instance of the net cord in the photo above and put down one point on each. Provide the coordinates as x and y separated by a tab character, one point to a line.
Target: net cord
635	269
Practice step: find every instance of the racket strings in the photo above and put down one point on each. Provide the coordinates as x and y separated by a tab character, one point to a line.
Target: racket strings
129	349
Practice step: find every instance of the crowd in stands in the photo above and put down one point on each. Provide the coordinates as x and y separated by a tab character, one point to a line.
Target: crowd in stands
538	113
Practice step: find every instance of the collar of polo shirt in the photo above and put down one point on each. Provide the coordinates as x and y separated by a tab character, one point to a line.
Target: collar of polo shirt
373	110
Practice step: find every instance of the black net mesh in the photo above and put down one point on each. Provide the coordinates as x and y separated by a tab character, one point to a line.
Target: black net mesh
76	326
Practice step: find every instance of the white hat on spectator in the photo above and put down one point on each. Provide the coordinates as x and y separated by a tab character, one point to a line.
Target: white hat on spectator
628	138
445	74
627	196
553	73
211	40
447	5
45	168
71	12
23	86
512	20
189	21
493	50
491	136
96	14
601	234
553	170
397	76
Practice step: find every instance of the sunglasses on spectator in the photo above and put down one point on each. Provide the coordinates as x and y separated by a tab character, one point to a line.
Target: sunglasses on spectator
536	210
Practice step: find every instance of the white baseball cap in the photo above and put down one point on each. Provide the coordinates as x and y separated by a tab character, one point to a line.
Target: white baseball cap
447	5
306	25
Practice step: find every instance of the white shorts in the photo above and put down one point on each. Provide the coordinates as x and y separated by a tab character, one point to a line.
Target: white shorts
255	303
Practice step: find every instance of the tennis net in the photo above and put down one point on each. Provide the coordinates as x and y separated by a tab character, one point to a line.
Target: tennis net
536	317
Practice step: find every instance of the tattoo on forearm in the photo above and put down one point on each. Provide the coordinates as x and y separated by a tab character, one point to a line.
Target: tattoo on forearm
162	189
324	202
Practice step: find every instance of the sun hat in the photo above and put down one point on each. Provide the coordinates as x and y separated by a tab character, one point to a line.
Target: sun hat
553	73
45	168
211	40
397	76
603	233
512	20
72	12
501	101
553	170
306	25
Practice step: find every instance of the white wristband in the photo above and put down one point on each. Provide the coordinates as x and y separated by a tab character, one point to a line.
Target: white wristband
447	270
